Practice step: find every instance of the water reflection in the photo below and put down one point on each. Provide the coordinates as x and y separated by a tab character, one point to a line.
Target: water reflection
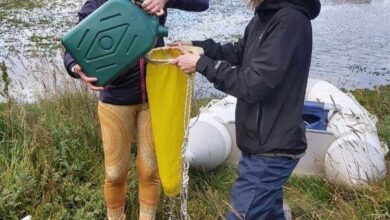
352	44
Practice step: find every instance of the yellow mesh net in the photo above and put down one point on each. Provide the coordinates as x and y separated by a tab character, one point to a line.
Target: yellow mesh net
169	101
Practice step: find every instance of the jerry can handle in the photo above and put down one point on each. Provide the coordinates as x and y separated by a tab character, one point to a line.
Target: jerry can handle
140	1
161	30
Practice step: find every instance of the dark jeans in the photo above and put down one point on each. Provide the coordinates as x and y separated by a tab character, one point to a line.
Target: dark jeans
258	191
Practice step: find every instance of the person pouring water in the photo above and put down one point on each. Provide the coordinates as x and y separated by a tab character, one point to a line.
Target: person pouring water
267	71
123	107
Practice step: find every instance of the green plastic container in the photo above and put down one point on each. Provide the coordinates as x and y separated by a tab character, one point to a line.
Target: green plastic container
112	39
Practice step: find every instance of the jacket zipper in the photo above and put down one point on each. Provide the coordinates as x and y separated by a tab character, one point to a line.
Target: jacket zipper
258	116
260	38
261	122
143	84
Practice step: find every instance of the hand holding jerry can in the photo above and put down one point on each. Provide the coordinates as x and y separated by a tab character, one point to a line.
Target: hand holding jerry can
112	39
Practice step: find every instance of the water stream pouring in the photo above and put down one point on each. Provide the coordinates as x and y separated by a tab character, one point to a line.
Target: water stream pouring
112	39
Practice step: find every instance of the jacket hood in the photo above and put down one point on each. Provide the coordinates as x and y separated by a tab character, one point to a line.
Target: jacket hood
311	8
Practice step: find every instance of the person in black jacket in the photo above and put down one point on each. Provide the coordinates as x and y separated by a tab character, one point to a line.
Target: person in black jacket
123	108
267	71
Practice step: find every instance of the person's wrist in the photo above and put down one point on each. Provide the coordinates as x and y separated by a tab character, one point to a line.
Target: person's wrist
196	43
165	4
73	69
74	72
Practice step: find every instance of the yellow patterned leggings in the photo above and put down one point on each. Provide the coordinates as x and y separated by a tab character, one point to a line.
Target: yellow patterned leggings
119	125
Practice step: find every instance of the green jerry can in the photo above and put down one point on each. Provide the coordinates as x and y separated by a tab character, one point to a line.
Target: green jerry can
112	39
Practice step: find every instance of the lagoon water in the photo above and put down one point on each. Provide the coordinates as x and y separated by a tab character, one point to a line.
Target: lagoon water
351	39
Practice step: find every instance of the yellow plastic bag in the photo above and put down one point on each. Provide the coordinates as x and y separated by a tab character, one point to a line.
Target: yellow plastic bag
167	93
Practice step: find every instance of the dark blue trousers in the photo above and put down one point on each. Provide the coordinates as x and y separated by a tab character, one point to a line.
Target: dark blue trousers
258	191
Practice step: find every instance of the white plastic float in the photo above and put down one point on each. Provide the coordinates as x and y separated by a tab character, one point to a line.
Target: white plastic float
347	152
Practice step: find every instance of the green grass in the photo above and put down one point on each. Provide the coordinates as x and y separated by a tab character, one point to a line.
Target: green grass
49	159
378	103
51	166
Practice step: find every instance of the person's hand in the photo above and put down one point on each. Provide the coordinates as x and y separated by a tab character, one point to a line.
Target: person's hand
180	43
187	61
89	81
154	7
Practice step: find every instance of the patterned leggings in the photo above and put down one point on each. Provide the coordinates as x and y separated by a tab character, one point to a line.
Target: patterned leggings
118	124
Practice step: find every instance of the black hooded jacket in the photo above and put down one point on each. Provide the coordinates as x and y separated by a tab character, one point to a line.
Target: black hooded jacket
267	71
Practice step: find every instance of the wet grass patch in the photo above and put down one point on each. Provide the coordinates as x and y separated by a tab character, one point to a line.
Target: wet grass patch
51	43
21	4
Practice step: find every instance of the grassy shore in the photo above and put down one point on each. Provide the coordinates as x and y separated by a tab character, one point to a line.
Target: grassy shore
51	166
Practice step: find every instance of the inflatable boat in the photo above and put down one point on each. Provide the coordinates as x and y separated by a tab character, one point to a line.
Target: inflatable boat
343	143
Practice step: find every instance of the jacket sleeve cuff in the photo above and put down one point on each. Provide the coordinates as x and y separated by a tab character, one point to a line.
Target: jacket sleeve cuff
70	72
201	44
202	64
